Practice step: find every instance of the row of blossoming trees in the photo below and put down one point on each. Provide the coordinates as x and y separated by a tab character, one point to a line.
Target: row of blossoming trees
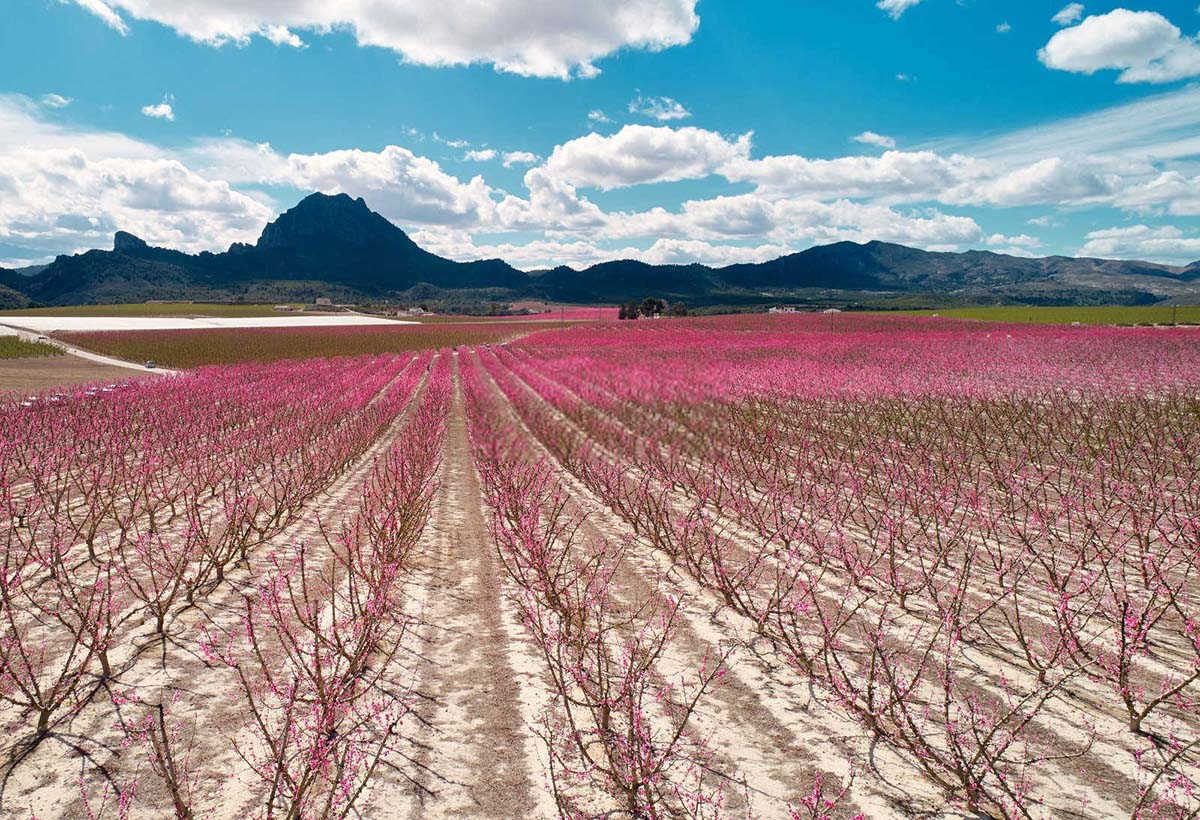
157	532
981	542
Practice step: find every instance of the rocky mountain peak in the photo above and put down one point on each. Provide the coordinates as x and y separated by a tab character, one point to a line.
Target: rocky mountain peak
125	242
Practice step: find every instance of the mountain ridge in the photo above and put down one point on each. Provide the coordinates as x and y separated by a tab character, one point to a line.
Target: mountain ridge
336	245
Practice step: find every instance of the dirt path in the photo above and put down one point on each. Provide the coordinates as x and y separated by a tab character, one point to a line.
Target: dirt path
470	748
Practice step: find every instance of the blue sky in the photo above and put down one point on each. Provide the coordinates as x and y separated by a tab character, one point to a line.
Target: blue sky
574	131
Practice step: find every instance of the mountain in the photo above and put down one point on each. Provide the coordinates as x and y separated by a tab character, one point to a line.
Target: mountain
28	270
336	246
885	271
325	245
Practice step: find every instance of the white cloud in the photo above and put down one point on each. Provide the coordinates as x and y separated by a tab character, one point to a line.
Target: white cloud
1157	128
905	78
67	190
56	101
1018	245
453	143
396	182
895	8
105	12
686	251
1172	192
525	37
1048	181
512	158
639	154
553	205
796	222
871	138
1003	28
1164	244
162	110
1143	45
542	253
282	36
596	115
1022	240
662	109
1068	14
509	158
894	174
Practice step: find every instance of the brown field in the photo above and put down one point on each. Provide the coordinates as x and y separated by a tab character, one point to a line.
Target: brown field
193	348
31	374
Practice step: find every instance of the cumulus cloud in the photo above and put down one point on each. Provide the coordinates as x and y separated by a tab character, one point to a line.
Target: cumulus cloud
542	253
1166	244
1023	240
403	186
640	154
1003	28
56	101
795	222
480	155
1068	14
1018	245
512	158
524	37
597	115
894	174
1172	192
162	110
1143	45
895	8
663	109
871	138
1052	180
67	190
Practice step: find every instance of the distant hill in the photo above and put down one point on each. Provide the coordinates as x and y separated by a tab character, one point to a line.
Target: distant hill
336	246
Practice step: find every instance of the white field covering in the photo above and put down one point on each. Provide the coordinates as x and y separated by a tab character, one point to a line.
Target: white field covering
54	324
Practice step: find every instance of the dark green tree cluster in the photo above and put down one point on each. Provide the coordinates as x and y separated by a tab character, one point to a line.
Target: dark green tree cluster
650	307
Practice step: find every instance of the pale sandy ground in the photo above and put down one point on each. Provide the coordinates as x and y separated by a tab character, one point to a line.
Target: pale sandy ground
85	324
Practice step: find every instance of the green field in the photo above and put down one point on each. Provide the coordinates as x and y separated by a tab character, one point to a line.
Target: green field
155	309
12	347
1136	315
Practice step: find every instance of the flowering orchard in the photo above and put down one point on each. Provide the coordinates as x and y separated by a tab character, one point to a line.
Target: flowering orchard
804	566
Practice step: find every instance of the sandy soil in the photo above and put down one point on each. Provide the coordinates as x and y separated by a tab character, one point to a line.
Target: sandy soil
470	750
40	372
